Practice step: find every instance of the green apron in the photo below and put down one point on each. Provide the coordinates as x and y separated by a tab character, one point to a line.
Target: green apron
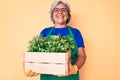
74	58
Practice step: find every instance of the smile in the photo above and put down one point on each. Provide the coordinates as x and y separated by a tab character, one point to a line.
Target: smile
60	16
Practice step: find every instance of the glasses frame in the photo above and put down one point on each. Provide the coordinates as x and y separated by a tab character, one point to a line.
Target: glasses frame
63	10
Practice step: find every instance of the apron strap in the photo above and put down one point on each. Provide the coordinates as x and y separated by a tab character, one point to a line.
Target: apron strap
49	34
71	34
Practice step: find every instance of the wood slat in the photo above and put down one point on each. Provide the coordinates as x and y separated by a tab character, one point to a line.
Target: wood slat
47	68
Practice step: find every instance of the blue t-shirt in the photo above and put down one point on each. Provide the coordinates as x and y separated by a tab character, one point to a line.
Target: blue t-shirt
63	32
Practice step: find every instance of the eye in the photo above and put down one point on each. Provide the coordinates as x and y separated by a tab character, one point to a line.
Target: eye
56	10
64	10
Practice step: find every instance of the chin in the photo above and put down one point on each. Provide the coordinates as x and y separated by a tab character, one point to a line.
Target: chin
61	21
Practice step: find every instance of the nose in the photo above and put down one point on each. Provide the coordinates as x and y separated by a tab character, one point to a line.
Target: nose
60	11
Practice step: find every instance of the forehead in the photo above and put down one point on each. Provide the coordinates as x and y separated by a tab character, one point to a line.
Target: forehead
60	6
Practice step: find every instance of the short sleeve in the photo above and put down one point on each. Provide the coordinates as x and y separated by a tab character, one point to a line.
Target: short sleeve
45	32
78	37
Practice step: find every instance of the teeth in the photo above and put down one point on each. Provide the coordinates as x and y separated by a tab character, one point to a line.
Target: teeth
60	16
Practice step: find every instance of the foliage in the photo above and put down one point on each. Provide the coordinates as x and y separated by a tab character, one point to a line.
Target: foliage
54	44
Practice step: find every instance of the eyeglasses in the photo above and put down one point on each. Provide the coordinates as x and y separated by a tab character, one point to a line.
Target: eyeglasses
57	10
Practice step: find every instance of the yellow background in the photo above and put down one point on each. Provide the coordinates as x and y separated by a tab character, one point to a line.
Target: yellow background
98	21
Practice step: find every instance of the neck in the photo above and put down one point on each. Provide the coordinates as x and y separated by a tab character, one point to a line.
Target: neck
60	25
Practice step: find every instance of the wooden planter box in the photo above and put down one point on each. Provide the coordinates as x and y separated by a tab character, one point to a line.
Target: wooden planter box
47	63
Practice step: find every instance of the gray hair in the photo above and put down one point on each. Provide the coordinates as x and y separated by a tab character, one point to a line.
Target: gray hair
54	5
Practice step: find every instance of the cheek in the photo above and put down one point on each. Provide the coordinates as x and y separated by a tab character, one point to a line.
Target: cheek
54	16
66	17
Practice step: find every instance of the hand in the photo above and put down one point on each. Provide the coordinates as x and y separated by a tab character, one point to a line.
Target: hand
30	73
73	69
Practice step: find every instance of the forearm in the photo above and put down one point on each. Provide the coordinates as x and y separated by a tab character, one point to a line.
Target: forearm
80	61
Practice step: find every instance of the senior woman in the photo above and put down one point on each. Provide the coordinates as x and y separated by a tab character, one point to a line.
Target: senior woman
60	15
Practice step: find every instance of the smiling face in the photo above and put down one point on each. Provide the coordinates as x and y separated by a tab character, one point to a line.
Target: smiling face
60	14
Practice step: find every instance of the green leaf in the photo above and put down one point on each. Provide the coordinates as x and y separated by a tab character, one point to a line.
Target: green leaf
56	43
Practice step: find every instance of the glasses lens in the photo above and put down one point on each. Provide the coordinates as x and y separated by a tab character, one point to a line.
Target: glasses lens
63	10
